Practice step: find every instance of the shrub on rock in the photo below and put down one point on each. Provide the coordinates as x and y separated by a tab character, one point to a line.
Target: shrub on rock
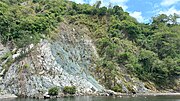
53	91
69	90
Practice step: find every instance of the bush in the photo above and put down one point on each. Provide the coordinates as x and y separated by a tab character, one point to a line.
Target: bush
69	90
117	88
53	91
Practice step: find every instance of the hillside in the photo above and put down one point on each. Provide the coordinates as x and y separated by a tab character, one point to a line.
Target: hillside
49	43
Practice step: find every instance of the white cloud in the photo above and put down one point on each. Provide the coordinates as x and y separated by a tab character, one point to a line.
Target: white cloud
169	2
91	2
170	11
138	16
121	3
178	20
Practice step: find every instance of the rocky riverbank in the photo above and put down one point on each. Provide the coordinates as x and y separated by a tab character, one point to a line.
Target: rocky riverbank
7	96
12	96
158	94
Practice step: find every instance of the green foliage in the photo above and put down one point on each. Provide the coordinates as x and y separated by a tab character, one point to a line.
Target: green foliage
148	53
102	11
166	44
23	25
5	56
69	89
26	66
151	52
8	63
6	60
53	91
117	88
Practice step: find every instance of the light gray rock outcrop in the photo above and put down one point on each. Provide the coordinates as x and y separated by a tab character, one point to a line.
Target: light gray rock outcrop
50	63
65	60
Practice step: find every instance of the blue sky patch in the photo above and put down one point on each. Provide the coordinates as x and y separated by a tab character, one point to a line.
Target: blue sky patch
142	10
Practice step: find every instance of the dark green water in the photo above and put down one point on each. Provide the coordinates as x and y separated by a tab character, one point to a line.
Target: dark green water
157	98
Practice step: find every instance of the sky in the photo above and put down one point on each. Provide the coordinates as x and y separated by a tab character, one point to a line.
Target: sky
142	10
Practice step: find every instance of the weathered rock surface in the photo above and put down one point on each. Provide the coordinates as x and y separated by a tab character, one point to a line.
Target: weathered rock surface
61	62
7	96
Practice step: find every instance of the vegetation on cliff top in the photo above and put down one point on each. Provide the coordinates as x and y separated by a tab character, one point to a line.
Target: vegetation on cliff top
151	52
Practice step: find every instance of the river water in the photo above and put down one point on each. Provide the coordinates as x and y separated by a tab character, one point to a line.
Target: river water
88	98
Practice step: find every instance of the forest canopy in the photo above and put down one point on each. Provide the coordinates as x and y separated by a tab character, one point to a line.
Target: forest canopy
151	52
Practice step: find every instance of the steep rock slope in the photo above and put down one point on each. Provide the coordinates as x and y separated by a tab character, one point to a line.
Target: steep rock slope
68	58
64	61
128	57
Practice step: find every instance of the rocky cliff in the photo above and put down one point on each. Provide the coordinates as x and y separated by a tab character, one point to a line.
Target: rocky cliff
66	59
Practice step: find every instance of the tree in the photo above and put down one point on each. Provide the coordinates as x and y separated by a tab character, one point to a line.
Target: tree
166	44
162	18
117	10
97	4
102	11
174	18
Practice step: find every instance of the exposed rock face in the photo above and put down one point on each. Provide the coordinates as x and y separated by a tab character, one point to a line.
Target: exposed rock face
177	88
62	62
3	51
